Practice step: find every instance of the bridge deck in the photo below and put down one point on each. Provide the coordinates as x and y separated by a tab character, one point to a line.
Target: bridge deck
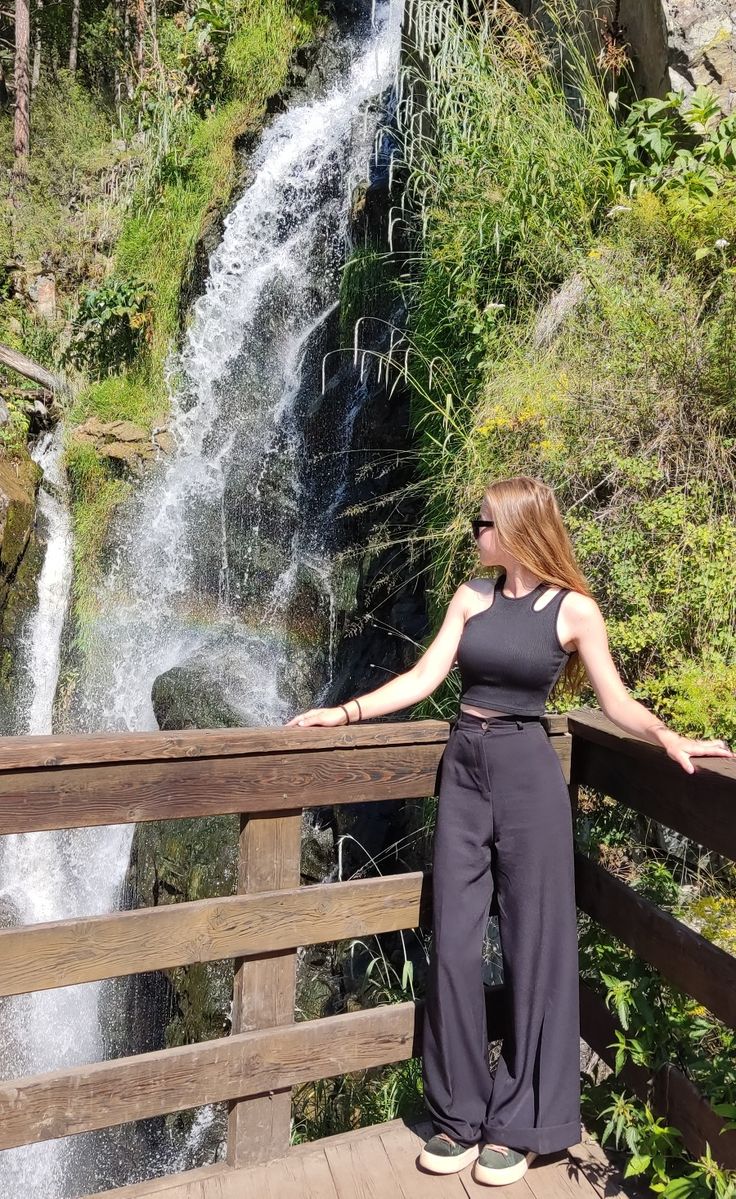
380	1162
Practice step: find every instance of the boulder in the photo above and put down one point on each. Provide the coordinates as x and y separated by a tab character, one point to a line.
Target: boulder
124	441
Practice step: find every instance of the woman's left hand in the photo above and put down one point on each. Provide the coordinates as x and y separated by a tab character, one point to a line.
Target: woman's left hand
681	749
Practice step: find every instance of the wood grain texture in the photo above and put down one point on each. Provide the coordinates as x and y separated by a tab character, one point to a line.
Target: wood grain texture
119	790
380	1162
90	749
64	952
123	793
83	1098
264	989
48	750
692	963
644	777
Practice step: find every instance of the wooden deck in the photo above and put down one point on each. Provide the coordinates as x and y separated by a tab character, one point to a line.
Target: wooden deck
380	1162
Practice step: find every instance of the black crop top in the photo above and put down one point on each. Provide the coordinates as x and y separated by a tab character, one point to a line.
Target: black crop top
509	656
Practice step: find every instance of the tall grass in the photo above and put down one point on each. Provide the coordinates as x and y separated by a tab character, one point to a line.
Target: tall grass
627	407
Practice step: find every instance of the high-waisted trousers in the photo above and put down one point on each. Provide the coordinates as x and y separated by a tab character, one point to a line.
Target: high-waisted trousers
503	844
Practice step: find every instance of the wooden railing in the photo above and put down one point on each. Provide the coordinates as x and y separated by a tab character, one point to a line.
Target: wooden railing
269	776
703	807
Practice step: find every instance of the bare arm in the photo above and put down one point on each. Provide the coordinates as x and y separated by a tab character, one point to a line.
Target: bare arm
411	686
591	640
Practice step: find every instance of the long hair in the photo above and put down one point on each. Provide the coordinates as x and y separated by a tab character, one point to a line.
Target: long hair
529	525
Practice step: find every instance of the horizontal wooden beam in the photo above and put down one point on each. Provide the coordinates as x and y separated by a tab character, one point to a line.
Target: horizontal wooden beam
64	952
84	1098
670	1092
644	777
91	749
689	961
128	792
354	766
42	751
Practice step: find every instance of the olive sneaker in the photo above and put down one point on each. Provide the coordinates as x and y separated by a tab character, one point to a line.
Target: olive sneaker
442	1155
496	1166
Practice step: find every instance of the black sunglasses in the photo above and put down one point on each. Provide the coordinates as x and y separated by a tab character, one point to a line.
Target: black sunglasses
481	524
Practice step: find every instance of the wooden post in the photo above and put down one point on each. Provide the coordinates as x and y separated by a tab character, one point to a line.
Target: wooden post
573	781
264	988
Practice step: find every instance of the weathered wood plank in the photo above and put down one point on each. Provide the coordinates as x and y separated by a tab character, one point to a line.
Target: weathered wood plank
403	1146
304	1166
304	1172
82	1098
587	1163
82	796
47	750
264	989
64	952
671	1094
682	955
361	1169
128	791
644	777
191	1184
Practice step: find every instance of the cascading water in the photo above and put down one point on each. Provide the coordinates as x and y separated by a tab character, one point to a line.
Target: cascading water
215	567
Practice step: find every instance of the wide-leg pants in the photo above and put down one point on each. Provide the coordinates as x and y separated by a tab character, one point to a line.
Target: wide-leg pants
503	834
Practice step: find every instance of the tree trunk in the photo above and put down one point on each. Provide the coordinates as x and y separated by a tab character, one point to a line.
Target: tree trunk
74	44
28	368
36	72
22	123
126	48
140	24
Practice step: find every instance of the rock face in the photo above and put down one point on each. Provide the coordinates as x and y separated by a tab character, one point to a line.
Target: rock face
701	39
675	45
19	480
20	562
678	44
123	440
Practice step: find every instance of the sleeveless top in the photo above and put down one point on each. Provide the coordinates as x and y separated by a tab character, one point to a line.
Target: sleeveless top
510	656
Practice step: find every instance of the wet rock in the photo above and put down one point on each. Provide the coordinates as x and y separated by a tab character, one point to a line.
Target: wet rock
19	482
220	685
123	440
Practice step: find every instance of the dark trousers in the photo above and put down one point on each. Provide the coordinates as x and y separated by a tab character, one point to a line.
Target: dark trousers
503	834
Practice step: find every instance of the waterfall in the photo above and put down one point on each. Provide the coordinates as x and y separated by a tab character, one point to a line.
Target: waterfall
40	879
221	563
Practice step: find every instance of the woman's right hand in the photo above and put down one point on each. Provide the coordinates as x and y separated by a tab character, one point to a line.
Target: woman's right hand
324	716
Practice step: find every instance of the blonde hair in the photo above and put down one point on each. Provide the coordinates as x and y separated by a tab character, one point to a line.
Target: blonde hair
528	524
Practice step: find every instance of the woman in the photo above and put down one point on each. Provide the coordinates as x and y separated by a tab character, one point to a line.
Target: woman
503	841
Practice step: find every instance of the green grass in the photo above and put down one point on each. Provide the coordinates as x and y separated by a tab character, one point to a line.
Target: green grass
628	411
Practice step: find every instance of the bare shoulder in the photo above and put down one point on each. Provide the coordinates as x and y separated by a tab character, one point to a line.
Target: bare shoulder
581	612
474	595
478	587
577	603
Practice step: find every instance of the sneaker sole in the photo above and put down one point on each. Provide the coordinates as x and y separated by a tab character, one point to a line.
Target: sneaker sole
499	1177
448	1165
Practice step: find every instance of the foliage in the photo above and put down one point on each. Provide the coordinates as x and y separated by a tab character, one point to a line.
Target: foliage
679	143
95	495
112	322
656	1022
333	1105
